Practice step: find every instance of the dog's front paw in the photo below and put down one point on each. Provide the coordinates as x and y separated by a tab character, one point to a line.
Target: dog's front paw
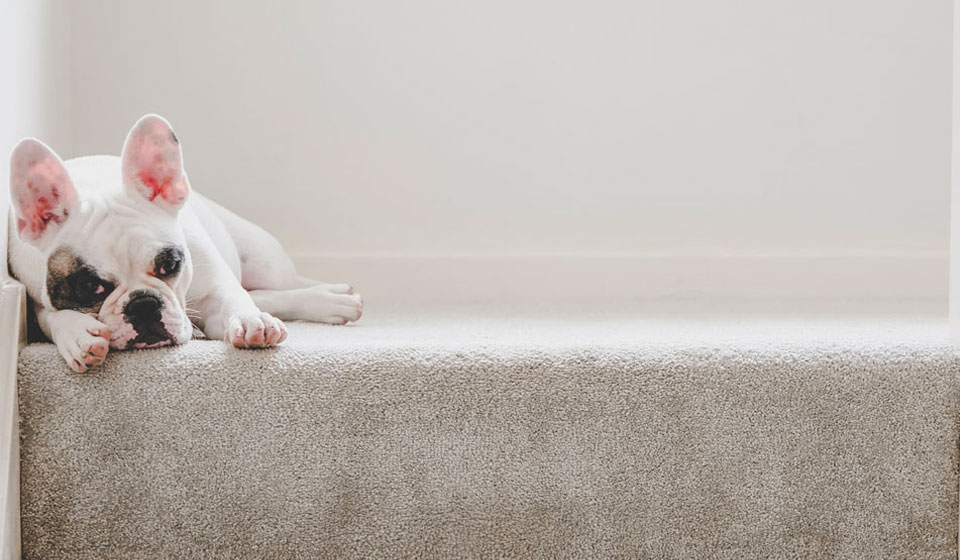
84	344
255	331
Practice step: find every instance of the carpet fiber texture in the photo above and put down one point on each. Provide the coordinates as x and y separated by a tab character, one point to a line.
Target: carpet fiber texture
542	437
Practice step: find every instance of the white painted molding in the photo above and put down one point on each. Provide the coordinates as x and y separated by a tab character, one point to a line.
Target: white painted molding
955	197
12	337
608	279
955	186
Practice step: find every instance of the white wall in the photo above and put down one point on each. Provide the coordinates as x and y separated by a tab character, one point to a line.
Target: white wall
786	128
33	99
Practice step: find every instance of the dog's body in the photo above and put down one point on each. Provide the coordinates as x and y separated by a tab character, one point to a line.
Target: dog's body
116	252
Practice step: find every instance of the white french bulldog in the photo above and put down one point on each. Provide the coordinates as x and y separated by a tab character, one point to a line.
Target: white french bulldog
117	253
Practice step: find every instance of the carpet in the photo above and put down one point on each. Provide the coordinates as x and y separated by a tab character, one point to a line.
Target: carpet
472	435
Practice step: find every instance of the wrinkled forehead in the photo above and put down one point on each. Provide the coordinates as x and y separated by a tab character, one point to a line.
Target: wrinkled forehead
119	241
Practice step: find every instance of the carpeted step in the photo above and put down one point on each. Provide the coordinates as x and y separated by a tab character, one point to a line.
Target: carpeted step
445	437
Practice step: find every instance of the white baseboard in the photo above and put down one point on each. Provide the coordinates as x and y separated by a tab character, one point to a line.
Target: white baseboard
607	279
12	337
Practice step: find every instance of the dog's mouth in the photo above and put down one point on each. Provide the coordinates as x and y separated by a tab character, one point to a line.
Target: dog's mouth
152	326
150	335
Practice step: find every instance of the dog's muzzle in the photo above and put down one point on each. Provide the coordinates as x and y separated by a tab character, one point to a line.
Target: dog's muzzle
144	312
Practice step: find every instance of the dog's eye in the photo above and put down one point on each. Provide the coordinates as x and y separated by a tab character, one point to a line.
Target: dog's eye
90	287
168	262
168	269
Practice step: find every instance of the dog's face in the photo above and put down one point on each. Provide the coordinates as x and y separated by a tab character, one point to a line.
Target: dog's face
116	250
131	271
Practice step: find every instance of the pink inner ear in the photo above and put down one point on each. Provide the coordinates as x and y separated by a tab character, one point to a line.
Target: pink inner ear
170	189
40	200
154	158
39	214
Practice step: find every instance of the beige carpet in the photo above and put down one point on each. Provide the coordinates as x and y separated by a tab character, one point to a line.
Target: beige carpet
542	436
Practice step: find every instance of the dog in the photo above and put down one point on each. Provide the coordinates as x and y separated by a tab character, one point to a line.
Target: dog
119	253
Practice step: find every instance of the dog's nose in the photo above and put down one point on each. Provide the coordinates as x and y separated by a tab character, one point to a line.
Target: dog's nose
142	307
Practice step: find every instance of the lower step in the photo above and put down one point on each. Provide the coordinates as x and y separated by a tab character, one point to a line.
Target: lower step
538	438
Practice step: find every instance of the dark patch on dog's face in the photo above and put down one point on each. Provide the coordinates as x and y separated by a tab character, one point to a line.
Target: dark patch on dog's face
168	263
74	284
174	138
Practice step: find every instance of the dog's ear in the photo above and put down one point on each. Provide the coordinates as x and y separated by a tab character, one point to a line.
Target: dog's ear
41	190
152	164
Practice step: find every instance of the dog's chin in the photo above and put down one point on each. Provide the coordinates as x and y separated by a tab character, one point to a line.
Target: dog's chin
158	344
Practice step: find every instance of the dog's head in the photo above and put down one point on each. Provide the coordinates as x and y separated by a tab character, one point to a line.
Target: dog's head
109	233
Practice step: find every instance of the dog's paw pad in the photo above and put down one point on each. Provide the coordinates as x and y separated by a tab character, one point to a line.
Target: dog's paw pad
354	308
344	308
255	331
86	348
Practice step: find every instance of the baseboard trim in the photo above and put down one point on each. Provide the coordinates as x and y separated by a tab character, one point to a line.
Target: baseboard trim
607	279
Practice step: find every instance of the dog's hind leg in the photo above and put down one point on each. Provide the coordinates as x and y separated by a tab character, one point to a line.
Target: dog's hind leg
315	303
268	273
264	264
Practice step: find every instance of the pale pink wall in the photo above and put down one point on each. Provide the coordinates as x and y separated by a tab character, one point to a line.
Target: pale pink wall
510	127
636	130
